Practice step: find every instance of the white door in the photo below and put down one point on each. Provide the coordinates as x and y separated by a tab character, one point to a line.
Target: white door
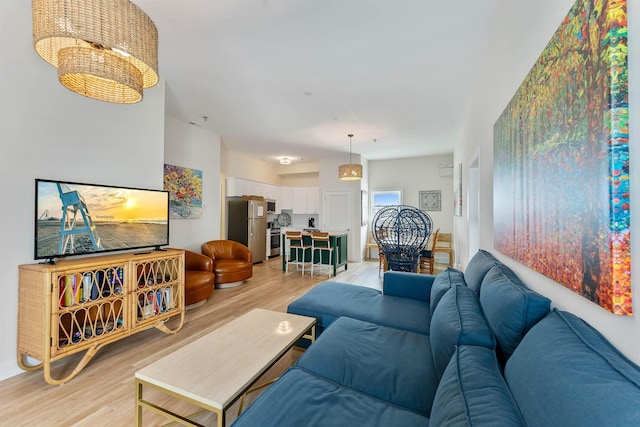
336	211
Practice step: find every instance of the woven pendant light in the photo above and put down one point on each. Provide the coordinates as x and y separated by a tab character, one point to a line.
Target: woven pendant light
103	49
350	172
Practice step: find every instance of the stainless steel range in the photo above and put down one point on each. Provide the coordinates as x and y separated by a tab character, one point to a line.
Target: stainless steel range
273	242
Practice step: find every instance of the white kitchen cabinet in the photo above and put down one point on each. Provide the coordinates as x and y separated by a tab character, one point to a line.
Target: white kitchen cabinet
299	205
286	201
306	200
233	187
313	200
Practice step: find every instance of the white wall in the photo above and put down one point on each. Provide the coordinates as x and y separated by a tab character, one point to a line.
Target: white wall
197	148
50	132
495	88
311	179
413	175
240	165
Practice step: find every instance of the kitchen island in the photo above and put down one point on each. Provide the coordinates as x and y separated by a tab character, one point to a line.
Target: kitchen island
338	240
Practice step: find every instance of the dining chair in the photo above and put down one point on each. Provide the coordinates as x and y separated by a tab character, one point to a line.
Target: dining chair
427	260
444	243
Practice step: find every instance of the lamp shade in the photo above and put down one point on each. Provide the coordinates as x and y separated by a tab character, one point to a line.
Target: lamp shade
350	172
103	49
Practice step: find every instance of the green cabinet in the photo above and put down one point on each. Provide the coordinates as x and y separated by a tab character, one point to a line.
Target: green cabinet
339	255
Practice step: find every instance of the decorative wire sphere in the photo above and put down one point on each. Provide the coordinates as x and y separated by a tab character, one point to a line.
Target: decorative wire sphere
401	231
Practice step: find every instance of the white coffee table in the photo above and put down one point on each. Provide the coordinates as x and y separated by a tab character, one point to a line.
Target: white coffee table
215	370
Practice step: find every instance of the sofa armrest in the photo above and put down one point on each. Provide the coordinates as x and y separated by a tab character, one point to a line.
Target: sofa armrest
407	285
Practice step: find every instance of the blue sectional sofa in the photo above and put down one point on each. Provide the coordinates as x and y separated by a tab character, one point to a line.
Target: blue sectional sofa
472	349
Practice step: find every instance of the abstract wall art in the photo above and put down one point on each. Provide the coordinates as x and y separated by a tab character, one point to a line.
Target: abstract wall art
561	160
185	191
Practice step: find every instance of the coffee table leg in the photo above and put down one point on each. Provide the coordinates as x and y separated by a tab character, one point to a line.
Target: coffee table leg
312	335
138	406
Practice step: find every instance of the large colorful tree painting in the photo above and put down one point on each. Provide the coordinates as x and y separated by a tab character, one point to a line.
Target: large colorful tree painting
561	173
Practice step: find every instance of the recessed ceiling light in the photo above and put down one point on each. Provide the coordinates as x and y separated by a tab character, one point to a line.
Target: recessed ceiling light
285	161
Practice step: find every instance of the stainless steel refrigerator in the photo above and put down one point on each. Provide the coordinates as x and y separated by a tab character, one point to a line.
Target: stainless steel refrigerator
247	224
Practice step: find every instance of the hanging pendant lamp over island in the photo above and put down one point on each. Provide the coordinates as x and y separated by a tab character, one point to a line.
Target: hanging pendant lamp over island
103	49
350	172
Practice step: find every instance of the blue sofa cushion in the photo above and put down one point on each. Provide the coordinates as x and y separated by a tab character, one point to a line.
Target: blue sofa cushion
301	398
330	300
442	283
565	373
386	363
473	392
477	268
510	308
458	319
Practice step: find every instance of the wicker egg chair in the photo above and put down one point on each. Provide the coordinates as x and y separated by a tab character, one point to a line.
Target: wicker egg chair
401	231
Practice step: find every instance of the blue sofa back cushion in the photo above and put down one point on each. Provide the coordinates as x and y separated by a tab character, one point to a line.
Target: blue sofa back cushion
477	268
565	373
472	392
330	300
458	319
301	398
407	285
386	363
510	307
442	283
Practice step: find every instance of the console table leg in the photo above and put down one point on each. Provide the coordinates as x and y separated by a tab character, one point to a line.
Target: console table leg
79	367
166	330
25	366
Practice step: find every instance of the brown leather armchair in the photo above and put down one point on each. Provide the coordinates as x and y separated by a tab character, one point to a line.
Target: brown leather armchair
232	262
199	278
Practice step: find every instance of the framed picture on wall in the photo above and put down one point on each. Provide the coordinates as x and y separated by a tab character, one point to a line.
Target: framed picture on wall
430	200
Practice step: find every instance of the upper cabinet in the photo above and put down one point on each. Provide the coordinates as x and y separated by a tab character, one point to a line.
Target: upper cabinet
300	200
306	200
286	202
313	200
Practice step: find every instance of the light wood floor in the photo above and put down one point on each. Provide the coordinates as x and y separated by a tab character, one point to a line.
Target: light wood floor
103	393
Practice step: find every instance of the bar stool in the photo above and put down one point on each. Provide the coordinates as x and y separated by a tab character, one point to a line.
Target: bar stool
297	242
320	242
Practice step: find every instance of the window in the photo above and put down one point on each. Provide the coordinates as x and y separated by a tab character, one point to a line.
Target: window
382	198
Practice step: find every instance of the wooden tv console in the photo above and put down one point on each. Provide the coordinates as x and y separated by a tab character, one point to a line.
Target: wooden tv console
84	304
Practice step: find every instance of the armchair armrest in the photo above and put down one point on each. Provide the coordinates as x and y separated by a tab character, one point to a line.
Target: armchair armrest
196	261
240	251
407	285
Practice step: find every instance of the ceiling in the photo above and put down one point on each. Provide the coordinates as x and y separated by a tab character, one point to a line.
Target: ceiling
291	78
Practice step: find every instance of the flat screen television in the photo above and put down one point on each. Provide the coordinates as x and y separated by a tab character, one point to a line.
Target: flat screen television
73	218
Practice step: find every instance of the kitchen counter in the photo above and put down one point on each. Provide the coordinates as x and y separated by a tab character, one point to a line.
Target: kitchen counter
338	240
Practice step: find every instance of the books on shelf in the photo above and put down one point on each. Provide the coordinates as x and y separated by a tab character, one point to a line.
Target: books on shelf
155	302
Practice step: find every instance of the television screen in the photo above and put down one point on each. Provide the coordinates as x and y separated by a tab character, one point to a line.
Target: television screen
74	218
